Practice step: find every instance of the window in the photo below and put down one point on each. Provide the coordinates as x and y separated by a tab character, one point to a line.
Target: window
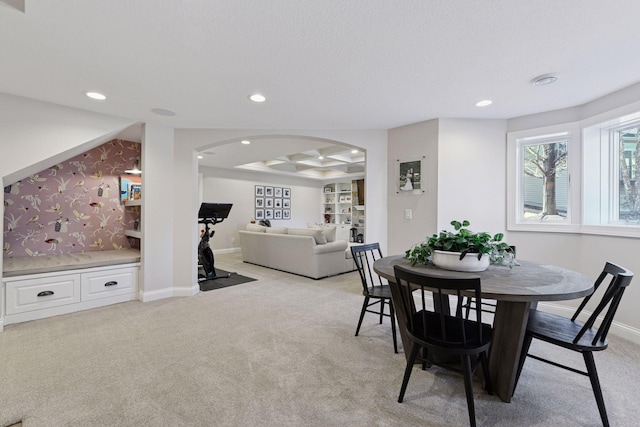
578	177
612	166
540	191
627	142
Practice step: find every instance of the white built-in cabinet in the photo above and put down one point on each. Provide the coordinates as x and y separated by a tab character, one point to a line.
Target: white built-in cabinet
36	296
340	206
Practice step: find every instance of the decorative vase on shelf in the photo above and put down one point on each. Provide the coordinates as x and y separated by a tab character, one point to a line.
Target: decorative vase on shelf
452	261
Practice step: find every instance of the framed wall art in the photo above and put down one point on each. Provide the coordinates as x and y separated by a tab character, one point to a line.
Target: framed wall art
409	176
272	202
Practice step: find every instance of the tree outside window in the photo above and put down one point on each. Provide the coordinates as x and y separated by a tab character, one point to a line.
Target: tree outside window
628	142
545	180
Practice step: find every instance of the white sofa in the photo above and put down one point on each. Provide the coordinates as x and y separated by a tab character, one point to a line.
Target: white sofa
303	251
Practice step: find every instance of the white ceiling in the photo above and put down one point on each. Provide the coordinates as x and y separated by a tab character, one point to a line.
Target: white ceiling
322	64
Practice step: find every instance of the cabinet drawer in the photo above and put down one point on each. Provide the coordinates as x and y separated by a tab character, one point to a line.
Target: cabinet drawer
37	294
108	283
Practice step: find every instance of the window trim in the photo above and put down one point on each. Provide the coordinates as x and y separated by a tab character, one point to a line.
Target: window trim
515	191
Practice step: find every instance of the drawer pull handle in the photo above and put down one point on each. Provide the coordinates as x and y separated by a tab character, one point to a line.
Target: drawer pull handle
111	283
45	293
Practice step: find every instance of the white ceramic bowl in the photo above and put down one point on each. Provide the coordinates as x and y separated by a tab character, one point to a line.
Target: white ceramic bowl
452	261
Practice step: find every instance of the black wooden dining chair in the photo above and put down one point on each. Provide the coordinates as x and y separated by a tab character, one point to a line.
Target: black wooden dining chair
375	291
574	335
439	334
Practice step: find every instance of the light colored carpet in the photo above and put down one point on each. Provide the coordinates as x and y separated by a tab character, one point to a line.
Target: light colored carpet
279	351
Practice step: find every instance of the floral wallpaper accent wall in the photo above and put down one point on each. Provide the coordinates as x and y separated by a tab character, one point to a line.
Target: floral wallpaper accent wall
73	206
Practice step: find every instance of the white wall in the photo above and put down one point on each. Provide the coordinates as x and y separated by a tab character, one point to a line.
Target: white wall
471	174
238	187
157	214
408	143
463	173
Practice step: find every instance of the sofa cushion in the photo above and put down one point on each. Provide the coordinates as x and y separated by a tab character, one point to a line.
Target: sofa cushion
329	230
256	227
276	230
317	234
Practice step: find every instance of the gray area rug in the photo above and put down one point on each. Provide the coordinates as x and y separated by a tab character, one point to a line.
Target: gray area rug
278	351
223	282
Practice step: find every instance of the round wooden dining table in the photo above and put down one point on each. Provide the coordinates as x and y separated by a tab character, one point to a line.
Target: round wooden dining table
515	290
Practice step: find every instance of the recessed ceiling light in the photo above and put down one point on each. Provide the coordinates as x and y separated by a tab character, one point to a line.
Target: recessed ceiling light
245	142
96	95
354	151
256	97
163	112
200	156
484	103
545	79
320	157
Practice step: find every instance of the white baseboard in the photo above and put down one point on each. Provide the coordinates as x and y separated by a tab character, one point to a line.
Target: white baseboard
156	295
186	291
619	329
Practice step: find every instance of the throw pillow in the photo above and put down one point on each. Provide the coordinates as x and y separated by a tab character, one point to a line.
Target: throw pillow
329	230
317	234
256	228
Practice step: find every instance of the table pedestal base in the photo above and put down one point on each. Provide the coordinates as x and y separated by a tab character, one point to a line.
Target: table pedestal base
510	325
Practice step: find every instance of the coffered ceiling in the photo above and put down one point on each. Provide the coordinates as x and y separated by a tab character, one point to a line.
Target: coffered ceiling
306	158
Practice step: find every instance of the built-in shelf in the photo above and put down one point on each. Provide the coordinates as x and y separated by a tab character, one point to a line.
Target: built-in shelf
338	208
133	202
133	233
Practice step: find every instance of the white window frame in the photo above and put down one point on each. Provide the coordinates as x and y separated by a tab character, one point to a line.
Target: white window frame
598	190
515	182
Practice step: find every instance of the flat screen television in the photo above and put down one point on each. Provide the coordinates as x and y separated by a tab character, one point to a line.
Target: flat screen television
219	211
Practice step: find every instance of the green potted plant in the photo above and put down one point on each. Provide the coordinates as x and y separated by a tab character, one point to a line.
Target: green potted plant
483	247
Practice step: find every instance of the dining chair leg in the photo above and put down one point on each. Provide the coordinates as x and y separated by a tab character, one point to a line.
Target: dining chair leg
468	386
595	384
407	371
393	327
484	360
381	309
362	312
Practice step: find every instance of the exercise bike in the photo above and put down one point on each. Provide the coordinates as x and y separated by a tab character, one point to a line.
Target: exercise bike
210	214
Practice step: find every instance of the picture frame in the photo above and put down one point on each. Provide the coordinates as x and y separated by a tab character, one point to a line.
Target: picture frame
347	199
268	214
277	192
409	176
286	214
259	202
277	203
268	191
259	214
286	204
342	199
268	202
286	193
328	190
259	191
277	214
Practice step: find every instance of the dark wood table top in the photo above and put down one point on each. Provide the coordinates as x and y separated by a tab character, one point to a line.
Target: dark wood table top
527	281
